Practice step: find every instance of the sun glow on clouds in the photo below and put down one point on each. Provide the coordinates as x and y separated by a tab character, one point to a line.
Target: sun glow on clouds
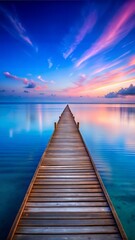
101	84
68	73
116	30
31	84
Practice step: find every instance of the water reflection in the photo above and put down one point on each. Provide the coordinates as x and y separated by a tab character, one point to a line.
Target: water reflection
28	117
40	117
11	133
109	132
127	113
114	121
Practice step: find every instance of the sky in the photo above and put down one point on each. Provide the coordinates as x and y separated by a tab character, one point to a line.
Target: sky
73	51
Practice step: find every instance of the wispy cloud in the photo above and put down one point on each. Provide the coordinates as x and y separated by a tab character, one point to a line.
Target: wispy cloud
130	91
26	81
50	64
132	61
99	85
14	27
107	66
87	26
45	81
82	78
41	79
116	30
113	63
29	83
9	75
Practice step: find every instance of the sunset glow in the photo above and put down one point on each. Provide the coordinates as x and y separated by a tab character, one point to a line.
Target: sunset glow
67	51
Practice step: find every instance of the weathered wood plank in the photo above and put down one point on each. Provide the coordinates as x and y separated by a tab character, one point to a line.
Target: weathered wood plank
48	171
43	193
62	177
44	182
65	230
44	198
66	209
67	222
73	189
65	204
91	236
67	215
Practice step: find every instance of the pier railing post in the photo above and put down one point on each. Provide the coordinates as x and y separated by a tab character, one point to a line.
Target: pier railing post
78	125
55	126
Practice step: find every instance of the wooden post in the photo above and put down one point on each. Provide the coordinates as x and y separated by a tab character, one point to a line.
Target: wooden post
78	125
55	126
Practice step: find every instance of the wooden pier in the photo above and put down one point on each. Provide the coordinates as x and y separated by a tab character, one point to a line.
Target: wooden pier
66	199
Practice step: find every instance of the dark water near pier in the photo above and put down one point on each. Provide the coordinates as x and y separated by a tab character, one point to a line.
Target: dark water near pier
109	132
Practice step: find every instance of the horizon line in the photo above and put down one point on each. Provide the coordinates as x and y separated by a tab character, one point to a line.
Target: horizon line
66	103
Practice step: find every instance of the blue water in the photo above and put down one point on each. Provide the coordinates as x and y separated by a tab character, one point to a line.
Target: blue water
109	132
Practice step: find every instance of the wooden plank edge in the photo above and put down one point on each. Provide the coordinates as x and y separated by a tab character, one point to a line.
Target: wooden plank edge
116	218
19	214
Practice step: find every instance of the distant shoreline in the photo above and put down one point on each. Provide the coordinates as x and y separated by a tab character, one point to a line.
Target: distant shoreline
61	103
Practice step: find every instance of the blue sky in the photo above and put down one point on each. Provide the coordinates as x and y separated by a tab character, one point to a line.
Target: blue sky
67	51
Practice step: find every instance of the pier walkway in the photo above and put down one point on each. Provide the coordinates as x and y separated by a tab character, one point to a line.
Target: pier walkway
66	199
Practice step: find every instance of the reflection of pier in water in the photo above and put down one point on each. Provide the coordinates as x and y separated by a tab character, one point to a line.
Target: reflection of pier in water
127	112
66	198
32	117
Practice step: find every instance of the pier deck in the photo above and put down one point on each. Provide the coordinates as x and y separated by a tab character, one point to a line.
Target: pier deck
66	199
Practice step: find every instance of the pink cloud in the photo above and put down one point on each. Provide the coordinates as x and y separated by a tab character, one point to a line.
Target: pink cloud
107	66
27	39
79	84
132	61
131	71
111	64
40	88
99	84
81	80
26	81
88	25
9	75
116	30
17	29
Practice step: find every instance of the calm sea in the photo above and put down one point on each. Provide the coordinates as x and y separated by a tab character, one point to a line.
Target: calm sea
109	132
